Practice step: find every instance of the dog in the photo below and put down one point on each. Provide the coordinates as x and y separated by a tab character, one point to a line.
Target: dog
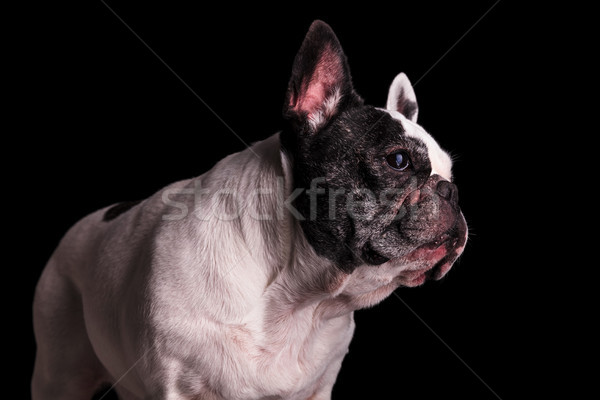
241	283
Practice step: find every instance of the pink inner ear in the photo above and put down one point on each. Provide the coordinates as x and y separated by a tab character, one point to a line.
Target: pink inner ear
313	98
328	73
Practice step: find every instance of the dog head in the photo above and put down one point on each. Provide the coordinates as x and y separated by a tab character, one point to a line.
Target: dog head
378	186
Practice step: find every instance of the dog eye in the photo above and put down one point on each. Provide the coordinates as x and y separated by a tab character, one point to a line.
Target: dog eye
398	160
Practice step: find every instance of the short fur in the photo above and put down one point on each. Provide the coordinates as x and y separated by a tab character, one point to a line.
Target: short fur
241	283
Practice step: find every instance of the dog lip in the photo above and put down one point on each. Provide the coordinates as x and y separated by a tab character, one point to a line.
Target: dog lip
413	278
436	255
430	250
435	272
418	280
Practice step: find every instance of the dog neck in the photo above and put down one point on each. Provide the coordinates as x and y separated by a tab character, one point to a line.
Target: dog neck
265	269
302	281
299	278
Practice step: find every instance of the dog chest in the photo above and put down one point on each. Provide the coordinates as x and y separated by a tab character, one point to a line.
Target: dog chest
249	361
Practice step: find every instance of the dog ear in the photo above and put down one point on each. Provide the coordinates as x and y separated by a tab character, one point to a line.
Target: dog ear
320	84
402	98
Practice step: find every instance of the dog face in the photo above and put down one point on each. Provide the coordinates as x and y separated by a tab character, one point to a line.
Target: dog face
378	186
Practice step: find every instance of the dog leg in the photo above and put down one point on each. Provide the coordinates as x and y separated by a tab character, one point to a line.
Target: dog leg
66	366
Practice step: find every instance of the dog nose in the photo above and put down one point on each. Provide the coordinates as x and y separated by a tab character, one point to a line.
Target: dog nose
448	191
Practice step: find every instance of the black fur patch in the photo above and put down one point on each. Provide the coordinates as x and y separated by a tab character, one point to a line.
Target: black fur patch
349	189
347	158
119	209
371	256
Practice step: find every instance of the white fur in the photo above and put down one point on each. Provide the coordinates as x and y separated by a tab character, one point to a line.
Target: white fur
320	117
441	162
401	87
174	302
192	307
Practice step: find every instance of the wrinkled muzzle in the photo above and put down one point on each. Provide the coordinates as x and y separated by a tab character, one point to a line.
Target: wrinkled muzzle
427	236
435	227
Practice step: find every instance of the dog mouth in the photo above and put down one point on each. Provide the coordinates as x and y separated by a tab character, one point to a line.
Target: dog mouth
433	260
429	261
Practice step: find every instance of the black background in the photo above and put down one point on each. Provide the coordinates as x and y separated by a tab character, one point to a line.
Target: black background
100	119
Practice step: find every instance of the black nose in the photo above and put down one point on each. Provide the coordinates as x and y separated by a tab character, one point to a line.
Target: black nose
448	191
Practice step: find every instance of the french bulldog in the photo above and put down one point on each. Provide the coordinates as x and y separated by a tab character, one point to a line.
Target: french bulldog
241	283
